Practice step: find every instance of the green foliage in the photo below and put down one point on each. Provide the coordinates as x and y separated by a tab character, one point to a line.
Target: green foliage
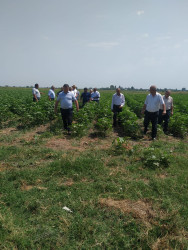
178	125
155	158
129	123
103	125
118	145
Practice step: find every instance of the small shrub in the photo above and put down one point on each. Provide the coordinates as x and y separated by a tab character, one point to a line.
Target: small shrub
153	158
103	125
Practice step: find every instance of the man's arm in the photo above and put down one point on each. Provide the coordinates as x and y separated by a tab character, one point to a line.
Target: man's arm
34	95
77	106
112	105
164	109
123	101
172	108
143	109
56	104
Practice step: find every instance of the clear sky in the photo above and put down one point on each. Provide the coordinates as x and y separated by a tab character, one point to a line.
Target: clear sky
94	43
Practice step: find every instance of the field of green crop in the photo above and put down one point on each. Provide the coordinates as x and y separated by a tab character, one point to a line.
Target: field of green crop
100	188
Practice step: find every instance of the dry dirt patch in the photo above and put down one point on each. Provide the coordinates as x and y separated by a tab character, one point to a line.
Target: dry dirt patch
26	187
75	144
7	131
139	209
62	144
30	134
68	182
162	176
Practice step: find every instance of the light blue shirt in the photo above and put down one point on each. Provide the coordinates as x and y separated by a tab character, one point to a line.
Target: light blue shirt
66	99
51	93
95	96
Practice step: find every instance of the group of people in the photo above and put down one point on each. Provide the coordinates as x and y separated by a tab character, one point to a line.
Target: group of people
156	109
69	96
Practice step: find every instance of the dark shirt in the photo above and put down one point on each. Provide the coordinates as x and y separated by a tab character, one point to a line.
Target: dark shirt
86	97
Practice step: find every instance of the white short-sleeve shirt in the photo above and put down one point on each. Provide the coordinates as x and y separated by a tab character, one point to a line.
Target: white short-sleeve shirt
36	92
168	102
153	102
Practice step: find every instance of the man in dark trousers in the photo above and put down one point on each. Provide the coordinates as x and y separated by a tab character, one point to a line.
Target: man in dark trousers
168	100
151	110
85	96
118	101
66	98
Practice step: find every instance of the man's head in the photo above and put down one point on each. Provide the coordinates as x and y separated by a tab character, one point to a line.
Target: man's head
36	85
118	91
153	90
74	86
65	88
85	90
95	89
167	93
52	87
70	88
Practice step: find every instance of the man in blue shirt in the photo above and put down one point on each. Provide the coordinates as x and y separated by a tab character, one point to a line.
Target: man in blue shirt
66	99
85	96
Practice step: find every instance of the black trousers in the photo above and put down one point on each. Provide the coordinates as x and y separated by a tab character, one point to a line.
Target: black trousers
67	117
164	118
153	118
35	99
116	110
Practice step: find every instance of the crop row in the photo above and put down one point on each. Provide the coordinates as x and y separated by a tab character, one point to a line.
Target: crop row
18	109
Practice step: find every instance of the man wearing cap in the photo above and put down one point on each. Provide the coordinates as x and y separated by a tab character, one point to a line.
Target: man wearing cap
66	99
168	100
151	110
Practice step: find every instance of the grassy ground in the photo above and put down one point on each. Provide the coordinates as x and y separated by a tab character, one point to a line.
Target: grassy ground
123	194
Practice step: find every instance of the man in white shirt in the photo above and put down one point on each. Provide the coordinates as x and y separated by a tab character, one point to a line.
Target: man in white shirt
51	94
36	93
118	101
95	95
66	99
75	91
151	110
168	100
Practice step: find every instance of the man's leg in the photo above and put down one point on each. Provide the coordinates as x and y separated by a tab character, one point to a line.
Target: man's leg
115	111
160	119
114	118
64	117
166	120
69	118
146	121
154	121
